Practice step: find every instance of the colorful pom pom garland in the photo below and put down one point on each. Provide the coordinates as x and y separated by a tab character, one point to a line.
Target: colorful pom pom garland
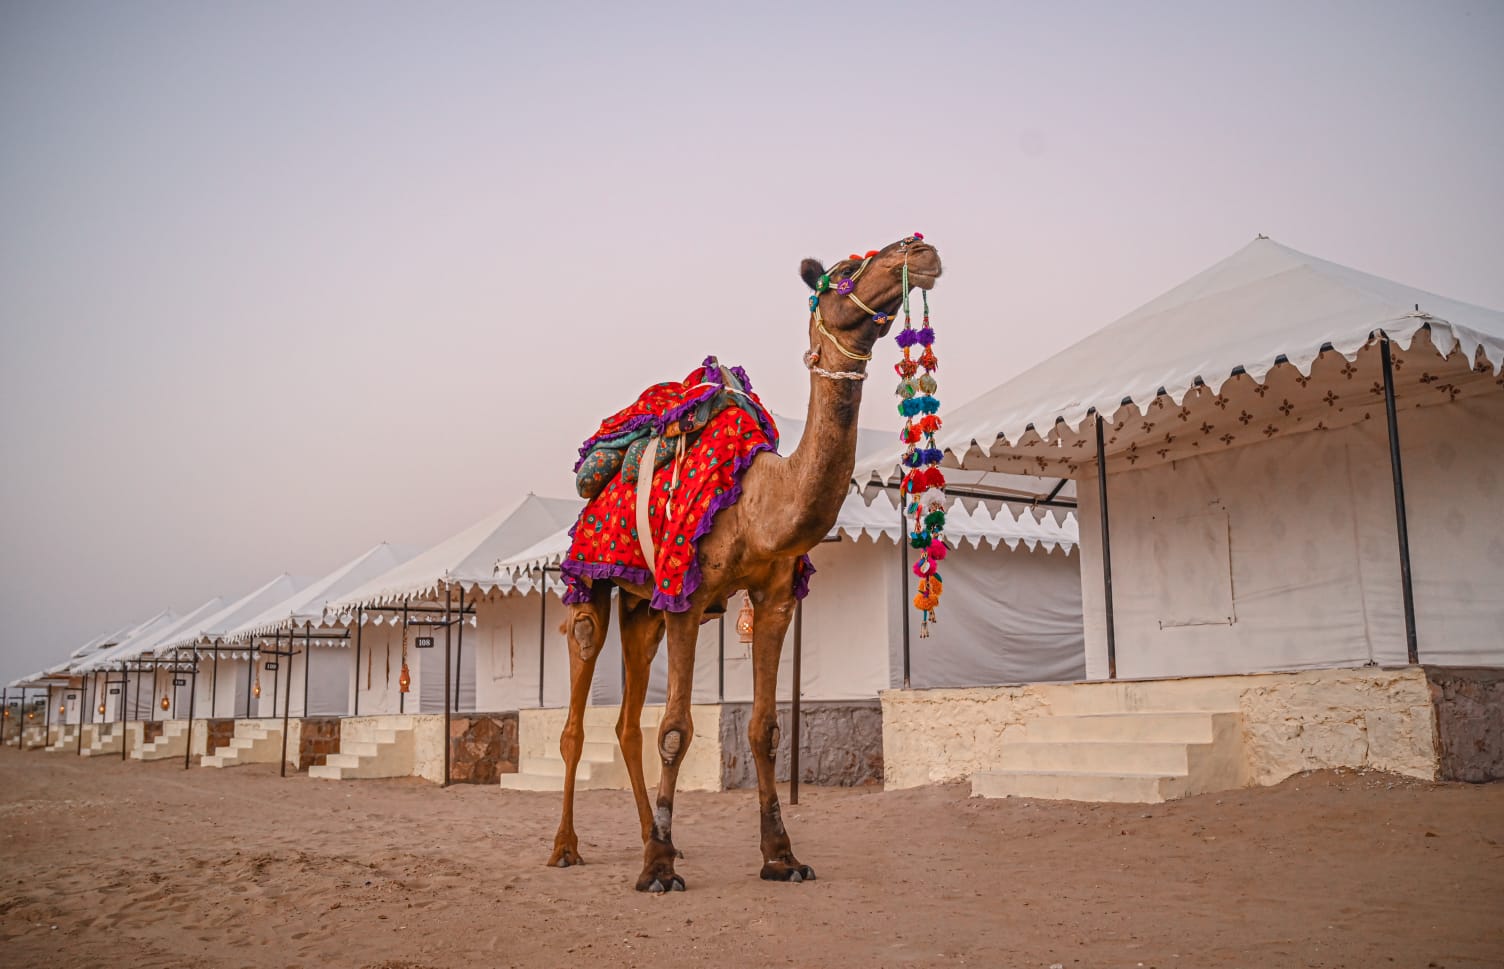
923	485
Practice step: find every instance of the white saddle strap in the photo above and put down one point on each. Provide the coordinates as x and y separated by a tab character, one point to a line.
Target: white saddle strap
644	492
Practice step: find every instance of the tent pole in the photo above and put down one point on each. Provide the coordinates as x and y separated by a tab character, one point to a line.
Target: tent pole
798	688
448	599
124	676
136	703
192	696
287	700
542	625
359	614
213	684
402	697
1112	646
903	603
720	660
1401	526
4	706
307	662
47	721
459	651
250	668
83	696
277	677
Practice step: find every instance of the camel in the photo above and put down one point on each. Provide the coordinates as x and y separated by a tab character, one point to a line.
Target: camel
788	505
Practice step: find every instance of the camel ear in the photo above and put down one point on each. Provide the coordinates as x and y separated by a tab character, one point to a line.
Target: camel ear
810	271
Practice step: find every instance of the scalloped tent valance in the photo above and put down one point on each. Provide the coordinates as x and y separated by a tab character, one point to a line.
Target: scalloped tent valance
1264	306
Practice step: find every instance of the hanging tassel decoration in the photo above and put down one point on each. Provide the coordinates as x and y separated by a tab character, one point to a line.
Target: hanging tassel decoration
923	492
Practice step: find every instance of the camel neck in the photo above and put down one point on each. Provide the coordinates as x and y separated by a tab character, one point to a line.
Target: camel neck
819	470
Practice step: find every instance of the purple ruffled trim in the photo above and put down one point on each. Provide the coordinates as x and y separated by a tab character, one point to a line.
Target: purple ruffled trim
801	577
717	384
575	571
634	424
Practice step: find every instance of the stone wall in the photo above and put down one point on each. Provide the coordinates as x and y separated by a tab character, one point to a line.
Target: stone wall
318	737
1367	717
482	747
219	734
840	743
1469	722
150	731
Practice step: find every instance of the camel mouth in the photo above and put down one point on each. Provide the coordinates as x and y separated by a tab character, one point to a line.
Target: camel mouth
923	280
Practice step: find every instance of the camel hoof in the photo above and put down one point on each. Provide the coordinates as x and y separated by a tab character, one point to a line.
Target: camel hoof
564	858
657	886
777	871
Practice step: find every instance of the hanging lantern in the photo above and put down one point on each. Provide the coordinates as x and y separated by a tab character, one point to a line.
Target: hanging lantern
256	686
31	714
165	702
62	710
404	679
744	620
101	709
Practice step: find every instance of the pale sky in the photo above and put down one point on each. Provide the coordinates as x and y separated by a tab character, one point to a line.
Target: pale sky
279	281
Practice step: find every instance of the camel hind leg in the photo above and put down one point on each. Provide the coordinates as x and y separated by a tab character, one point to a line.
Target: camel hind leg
586	628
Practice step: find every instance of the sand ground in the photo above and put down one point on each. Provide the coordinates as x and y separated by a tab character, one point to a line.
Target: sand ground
146	865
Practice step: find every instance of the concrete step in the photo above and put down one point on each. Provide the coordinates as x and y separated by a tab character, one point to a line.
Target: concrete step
1078	785
1097	757
1165	727
386	751
531	782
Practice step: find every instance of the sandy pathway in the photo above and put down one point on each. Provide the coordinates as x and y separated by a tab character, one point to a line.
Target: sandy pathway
110	864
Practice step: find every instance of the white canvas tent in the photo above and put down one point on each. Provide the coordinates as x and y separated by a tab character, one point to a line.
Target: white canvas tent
465	563
1012	612
1250	500
230	695
144	683
326	680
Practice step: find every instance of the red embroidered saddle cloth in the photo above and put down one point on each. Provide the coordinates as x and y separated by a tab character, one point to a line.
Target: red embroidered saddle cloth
688	491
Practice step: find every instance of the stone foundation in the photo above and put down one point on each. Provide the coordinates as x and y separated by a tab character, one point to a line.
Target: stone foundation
840	743
1469	707
150	731
1381	719
219	733
318	737
482	747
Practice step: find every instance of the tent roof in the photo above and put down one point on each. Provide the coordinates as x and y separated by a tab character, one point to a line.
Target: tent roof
467	559
142	632
232	616
146	640
307	604
857	519
1264	305
102	642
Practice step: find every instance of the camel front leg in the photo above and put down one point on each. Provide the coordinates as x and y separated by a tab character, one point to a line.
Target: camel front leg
641	631
675	733
586	628
774	610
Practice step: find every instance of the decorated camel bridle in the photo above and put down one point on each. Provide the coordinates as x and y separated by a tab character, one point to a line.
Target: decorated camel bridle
923	484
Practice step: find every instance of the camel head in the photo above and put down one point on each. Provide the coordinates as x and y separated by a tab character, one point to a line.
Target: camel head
860	296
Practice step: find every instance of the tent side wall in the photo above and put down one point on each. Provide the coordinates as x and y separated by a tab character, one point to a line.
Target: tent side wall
1282	555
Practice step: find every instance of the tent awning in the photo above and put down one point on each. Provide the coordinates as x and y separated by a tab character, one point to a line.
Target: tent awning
1264	306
